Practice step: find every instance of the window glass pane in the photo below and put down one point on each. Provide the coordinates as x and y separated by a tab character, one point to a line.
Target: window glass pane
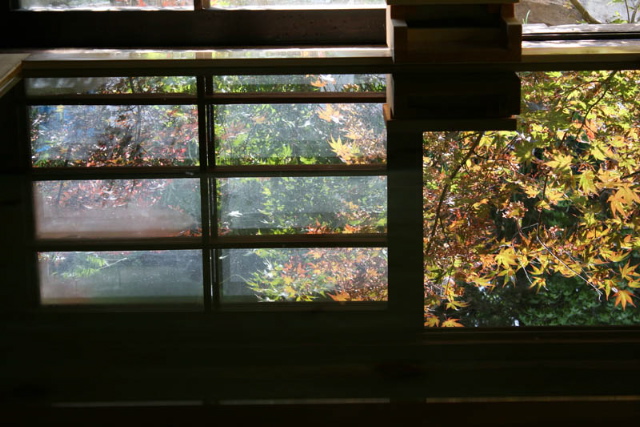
114	135
306	274
117	208
105	4
124	277
539	227
302	205
110	85
301	83
564	12
296	3
285	134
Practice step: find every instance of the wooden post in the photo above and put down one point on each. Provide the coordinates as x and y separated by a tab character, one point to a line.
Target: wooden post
423	31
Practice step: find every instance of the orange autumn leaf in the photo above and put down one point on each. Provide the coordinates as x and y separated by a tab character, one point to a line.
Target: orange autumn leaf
624	297
329	114
342	296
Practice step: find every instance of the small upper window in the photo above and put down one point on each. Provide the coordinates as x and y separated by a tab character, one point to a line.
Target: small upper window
571	12
188	4
104	4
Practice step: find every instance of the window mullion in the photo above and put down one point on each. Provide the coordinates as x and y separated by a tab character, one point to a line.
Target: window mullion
207	211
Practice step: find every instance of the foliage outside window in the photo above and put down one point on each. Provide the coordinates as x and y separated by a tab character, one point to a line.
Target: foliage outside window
539	227
530	228
157	189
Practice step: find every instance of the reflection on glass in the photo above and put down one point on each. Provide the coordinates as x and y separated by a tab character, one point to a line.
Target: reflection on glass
302	205
117	208
114	135
286	134
124	277
300	83
304	274
105	4
110	85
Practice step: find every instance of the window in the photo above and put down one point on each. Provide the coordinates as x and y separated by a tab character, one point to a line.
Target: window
219	25
261	188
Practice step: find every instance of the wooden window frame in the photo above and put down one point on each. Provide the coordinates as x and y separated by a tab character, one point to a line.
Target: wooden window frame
377	314
383	359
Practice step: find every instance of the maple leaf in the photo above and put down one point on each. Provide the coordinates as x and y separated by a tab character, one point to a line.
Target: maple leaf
560	163
627	272
538	283
455	305
319	83
586	182
452	323
343	151
432	321
329	114
507	257
624	297
342	296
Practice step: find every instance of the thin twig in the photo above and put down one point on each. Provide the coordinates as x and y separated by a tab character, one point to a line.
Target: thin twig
445	190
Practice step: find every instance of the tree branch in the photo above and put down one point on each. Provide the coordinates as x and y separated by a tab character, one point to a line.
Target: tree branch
445	190
584	12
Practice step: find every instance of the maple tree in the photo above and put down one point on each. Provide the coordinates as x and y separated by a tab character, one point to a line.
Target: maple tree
538	226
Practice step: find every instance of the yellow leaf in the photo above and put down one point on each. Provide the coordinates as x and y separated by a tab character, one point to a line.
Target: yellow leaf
627	272
343	151
481	281
507	257
538	283
455	305
560	163
530	190
452	323
432	321
586	182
